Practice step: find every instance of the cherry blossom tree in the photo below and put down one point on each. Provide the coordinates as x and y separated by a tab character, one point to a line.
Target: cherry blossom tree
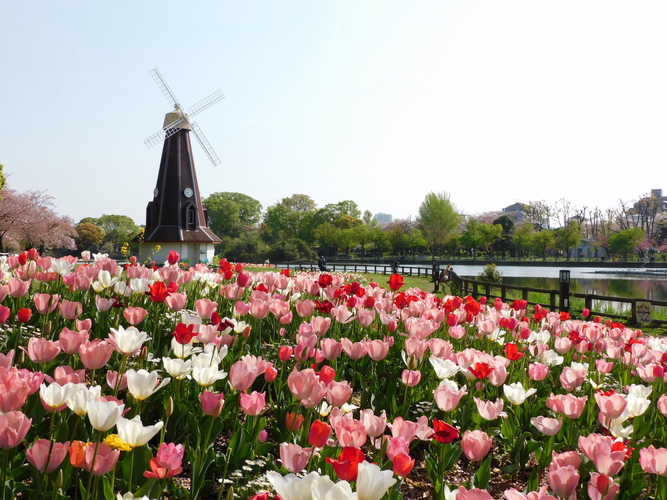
28	219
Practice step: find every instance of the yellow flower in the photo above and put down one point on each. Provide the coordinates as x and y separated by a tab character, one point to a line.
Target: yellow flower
113	441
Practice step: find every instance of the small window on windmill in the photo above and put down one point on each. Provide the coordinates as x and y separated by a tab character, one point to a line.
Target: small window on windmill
191	217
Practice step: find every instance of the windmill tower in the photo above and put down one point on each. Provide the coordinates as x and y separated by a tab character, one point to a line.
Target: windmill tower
176	219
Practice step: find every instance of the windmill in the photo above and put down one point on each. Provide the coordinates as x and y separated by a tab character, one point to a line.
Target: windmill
179	119
176	218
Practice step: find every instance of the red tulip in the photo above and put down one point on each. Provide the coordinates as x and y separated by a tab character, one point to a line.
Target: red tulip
158	292
347	465
402	464
395	282
443	432
173	258
319	434
512	352
184	333
480	370
24	314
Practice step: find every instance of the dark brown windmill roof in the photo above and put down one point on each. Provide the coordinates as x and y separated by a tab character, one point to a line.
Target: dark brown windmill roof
167	214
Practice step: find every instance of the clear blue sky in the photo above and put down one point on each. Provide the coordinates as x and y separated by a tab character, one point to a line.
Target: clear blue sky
378	102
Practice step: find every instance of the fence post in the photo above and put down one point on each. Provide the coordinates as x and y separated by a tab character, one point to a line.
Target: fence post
475	291
588	302
524	294
552	300
503	293
633	312
488	292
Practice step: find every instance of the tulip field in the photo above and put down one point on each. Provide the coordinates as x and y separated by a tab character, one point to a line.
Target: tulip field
120	382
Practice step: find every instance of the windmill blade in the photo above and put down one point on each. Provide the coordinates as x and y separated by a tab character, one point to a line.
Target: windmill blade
165	88
205	103
161	135
206	146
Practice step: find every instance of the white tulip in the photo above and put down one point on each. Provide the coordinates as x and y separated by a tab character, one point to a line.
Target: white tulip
128	341
143	384
134	433
103	415
139	286
292	487
55	395
207	375
444	368
80	396
177	368
516	394
373	482
324	488
641	391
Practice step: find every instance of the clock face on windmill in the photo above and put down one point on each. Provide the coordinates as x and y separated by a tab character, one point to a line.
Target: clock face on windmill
187	192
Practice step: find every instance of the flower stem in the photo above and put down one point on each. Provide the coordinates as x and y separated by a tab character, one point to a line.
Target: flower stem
92	465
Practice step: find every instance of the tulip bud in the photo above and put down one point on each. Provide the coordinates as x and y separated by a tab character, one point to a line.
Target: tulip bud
47	328
170	407
22	358
246	332
230	493
385	446
144	352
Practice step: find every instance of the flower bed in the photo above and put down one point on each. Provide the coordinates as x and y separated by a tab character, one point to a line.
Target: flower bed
167	382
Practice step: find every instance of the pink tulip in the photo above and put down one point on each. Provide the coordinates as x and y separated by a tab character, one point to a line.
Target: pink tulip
547	426
305	308
563	481
105	460
70	310
354	351
606	460
611	406
242	308
489	410
653	460
476	444
101	304
293	457
263	436
176	301
602	487
4	291
331	348
377	349
473	494
375	426
365	317
14	425
84	324
397	445
350	432
411	377
567	404
13	390
570	378
134	315
562	345
446	398
320	325
38	454
65	374
405	428
415	348
662	405
316	395
70	341
32	379
205	308
564	459
440	348
498	376
457	332
96	354
587	444
41	350
17	287
537	371
259	309
604	366
167	462
112	378
253	404
212	403
338	393
4	313
6	359
45	303
242	375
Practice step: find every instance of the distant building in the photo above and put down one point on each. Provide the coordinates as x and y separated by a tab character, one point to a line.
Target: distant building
383	218
663	199
516	207
515	211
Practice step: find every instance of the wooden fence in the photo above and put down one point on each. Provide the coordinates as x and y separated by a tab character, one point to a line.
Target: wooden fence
477	288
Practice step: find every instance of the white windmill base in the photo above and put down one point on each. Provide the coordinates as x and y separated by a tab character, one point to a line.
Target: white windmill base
194	252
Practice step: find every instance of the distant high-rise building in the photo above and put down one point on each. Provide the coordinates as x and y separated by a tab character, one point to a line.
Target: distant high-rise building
383	218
